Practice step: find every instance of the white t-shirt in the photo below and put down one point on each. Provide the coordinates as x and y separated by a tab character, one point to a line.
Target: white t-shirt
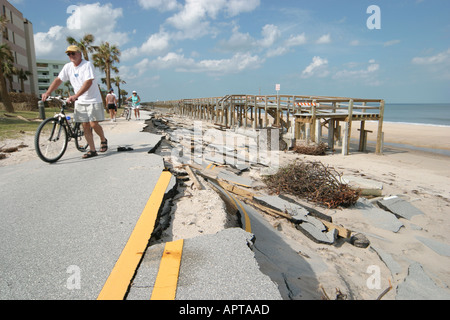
78	76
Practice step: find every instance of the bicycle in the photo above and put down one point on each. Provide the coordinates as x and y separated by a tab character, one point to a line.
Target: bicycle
53	135
127	112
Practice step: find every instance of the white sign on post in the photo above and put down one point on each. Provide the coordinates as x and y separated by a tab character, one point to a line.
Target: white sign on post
277	87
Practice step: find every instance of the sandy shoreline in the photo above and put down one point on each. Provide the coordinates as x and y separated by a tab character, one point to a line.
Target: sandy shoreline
423	136
421	178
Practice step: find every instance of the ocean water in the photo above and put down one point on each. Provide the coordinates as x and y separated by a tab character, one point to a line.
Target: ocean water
430	114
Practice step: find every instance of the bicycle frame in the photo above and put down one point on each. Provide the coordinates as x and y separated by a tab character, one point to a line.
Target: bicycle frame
62	118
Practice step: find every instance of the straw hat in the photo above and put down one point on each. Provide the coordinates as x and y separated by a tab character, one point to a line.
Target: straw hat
73	49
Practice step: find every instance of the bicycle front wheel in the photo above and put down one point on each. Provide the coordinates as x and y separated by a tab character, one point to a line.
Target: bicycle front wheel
51	140
79	134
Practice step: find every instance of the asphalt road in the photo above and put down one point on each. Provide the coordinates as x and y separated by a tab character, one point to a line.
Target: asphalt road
64	225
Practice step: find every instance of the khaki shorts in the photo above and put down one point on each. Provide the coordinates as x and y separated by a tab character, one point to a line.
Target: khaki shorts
89	112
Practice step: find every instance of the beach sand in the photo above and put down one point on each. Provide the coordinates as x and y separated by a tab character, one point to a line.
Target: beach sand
421	178
423	136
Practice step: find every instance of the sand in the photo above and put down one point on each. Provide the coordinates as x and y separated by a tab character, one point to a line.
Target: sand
423	136
421	178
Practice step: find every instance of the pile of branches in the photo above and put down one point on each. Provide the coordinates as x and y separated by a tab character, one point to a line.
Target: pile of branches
313	149
314	182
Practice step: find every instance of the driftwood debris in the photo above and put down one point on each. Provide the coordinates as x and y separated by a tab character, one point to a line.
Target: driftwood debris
313	181
312	149
12	149
194	178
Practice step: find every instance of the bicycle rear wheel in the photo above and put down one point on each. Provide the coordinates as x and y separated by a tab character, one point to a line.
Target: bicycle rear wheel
51	140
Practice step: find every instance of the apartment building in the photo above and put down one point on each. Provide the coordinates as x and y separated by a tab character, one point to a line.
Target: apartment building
20	39
47	71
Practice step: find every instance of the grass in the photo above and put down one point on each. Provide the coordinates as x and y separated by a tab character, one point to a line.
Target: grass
14	128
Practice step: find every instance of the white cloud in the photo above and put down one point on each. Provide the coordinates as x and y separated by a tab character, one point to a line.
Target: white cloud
440	58
194	19
96	19
297	40
391	43
318	68
236	64
238	41
236	7
326	38
367	75
161	5
47	42
99	20
293	41
270	34
157	43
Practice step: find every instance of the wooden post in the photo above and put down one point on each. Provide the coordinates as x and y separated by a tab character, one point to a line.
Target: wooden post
313	122
278	111
380	129
318	131
266	116
361	135
331	134
348	128
255	120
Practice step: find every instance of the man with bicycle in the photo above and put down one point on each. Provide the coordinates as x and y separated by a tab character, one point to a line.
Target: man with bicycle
88	101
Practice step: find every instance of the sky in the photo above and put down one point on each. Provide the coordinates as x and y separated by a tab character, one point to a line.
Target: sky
396	50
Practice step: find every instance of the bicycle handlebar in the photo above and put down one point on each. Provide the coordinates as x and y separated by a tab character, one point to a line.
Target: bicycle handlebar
59	98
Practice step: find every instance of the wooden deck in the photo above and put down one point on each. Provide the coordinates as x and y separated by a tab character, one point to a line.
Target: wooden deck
301	117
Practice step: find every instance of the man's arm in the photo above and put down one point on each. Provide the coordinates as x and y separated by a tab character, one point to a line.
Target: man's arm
55	84
85	87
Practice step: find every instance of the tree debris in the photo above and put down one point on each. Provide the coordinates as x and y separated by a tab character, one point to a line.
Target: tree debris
312	149
314	182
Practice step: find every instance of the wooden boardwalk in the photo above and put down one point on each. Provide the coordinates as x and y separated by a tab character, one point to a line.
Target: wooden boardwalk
299	117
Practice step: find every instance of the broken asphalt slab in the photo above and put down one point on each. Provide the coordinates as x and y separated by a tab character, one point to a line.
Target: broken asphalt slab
313	228
213	267
399	207
367	187
378	217
419	286
438	247
297	212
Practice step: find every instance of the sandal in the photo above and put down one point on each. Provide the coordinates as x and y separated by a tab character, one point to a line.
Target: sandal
90	154
104	146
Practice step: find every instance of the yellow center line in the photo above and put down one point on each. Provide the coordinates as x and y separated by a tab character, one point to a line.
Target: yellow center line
119	280
248	226
165	287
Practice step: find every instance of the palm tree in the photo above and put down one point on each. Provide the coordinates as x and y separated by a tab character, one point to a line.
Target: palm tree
85	44
23	76
5	56
9	70
123	94
104	59
118	81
